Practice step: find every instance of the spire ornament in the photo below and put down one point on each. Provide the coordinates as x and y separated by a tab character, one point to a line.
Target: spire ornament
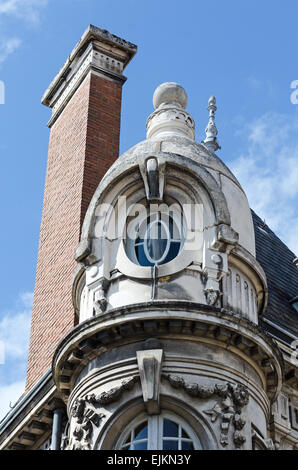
211	130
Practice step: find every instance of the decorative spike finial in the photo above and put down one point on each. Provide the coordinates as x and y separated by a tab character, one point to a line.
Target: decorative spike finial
211	130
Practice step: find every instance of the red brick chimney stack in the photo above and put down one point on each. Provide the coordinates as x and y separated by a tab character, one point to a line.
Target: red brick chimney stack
85	98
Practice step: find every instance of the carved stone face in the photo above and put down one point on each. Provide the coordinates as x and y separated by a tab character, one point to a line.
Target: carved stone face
78	408
212	296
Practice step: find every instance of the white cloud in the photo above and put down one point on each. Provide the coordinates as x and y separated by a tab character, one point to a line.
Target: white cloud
9	394
14	335
27	299
7	47
28	10
268	172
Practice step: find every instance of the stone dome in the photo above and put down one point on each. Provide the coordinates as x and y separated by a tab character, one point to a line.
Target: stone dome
241	219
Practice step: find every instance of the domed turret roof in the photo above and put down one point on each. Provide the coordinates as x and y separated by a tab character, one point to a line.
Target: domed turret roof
171	129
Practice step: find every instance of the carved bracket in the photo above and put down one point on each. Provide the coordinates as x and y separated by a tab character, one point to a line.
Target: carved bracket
153	173
149	363
233	397
226	238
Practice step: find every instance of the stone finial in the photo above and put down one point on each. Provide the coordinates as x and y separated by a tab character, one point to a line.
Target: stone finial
211	130
169	92
170	117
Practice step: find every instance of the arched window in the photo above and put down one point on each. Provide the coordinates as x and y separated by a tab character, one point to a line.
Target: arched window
158	432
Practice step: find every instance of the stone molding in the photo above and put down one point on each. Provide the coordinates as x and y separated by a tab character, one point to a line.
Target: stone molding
116	46
99	51
95	62
170	118
200	322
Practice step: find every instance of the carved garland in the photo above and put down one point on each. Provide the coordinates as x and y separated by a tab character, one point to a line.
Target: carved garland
87	416
233	397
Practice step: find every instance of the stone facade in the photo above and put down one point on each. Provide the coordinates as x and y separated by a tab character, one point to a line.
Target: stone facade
168	336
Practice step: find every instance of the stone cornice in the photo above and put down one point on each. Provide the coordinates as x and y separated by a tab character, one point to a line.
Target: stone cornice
98	51
92	33
177	319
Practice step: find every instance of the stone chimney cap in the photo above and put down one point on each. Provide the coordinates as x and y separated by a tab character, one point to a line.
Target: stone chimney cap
114	46
169	92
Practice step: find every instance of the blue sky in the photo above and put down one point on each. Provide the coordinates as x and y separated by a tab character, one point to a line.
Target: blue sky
245	53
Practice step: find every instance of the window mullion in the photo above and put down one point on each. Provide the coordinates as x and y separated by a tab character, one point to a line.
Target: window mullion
153	432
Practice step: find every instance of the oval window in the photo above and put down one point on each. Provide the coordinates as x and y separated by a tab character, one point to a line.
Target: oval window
158	240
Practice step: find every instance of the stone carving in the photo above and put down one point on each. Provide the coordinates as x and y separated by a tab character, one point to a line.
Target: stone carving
112	395
212	296
153	178
169	117
149	363
100	300
86	418
233	398
153	174
238	439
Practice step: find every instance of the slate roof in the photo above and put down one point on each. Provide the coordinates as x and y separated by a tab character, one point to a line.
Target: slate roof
282	277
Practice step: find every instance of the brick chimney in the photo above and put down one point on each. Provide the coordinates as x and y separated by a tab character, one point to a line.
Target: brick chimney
85	98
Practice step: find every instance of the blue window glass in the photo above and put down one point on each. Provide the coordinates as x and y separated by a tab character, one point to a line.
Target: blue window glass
170	429
158	240
170	445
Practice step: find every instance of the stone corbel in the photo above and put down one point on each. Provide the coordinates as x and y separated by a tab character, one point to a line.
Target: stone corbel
100	300
83	250
226	238
153	172
149	363
83	253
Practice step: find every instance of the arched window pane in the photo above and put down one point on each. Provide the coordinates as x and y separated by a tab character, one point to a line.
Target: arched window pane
184	434
159	432
170	429
141	431
170	445
140	446
187	445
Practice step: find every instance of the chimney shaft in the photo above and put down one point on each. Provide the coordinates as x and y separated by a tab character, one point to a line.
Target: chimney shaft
85	98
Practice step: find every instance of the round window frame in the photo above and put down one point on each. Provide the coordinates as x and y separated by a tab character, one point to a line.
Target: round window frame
185	257
147	221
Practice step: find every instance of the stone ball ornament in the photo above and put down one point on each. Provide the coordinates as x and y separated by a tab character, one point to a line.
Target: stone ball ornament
169	92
